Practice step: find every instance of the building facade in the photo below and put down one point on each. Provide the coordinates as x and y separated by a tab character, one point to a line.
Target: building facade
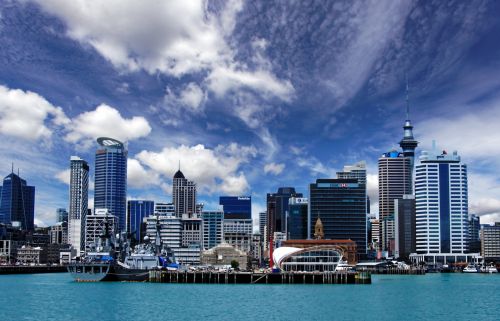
236	207
297	218
212	228
99	223
490	243
78	202
164	209
170	230
59	233
111	179
137	210
341	206
17	202
183	195
405	226
62	215
277	208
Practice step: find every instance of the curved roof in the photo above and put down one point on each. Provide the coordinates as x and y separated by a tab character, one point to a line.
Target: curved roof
109	142
178	174
282	252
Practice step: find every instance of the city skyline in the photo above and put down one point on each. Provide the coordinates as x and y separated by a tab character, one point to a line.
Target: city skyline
260	108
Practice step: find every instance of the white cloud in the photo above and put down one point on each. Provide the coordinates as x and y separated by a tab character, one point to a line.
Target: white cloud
25	114
106	121
139	177
64	176
274	168
214	170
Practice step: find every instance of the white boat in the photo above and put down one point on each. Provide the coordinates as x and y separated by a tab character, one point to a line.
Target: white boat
489	269
470	269
343	266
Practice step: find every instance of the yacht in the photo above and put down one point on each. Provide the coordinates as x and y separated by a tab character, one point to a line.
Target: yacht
471	268
489	269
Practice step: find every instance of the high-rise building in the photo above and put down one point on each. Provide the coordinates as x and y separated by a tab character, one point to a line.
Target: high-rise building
111	179
170	230
394	181
212	228
341	206
183	195
17	202
238	233
490	242
164	209
78	202
192	231
62	215
236	207
98	224
59	233
375	234
137	210
262	224
277	207
474	239
356	171
441	206
404	224
297	218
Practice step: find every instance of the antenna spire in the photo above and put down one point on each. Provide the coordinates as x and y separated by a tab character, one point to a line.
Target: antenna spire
12	171
179	164
407	99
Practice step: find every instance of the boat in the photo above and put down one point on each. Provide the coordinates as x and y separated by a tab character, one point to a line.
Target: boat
491	268
343	266
107	262
470	268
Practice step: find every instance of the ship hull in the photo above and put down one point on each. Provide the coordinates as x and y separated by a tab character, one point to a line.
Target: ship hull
85	272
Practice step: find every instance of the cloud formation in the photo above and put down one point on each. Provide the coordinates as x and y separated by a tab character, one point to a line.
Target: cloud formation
274	168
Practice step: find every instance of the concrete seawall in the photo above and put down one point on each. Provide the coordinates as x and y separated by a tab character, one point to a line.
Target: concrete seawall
15	269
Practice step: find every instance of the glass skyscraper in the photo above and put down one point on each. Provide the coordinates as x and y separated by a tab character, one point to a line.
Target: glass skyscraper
341	205
111	179
17	202
297	218
78	202
236	207
277	207
212	228
137	210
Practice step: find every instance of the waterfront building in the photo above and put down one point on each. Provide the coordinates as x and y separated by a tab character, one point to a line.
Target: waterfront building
31	255
190	255
223	255
405	226
238	233
375	234
490	243
474	238
341	205
102	221
212	228
236	207
183	195
164	209
394	181
17	202
192	231
111	179
441	194
59	233
78	202
170	230
356	171
256	251
62	215
277	208
137	210
297	218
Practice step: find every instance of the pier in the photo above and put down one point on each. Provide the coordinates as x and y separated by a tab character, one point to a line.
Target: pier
260	278
23	269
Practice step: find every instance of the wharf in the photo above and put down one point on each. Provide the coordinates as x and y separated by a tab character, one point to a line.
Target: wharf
23	269
260	278
396	271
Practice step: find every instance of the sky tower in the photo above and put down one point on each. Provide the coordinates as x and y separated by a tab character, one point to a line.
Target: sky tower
408	143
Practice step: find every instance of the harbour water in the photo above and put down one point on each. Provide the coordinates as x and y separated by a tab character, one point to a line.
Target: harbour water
389	297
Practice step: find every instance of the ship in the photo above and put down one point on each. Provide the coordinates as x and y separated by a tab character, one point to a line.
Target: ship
109	260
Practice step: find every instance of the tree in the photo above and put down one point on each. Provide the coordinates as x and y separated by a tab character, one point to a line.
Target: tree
235	264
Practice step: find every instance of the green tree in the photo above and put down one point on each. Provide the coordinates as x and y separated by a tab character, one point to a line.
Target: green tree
235	264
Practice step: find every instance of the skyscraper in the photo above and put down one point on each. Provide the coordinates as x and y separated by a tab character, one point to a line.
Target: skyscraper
137	210
404	223
237	227
394	181
111	179
183	195
62	215
236	207
441	206
212	228
341	206
297	218
277	207
78	202
17	202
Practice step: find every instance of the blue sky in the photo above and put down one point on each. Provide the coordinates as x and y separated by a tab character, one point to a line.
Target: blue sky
248	95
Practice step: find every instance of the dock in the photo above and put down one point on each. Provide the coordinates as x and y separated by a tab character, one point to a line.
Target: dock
259	278
23	269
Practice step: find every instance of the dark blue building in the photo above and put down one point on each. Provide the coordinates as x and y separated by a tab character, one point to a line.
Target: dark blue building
17	202
297	219
111	179
341	205
137	210
236	207
277	207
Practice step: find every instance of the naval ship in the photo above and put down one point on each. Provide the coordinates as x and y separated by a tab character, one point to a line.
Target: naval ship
109	260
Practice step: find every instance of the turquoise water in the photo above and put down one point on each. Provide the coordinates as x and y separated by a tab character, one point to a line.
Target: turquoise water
389	297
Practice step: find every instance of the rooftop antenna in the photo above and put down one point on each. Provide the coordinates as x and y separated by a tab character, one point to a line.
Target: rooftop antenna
12	171
407	98
179	164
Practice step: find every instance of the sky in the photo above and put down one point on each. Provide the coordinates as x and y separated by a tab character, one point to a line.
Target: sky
247	95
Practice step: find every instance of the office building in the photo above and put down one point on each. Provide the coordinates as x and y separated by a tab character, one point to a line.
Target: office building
356	171
17	202
490	243
59	233
183	195
164	209
277	207
101	222
238	233
62	215
341	206
78	202
474	239
212	228
441	194
137	210
192	231
111	179
262	224
170	230
375	234
297	218
236	207
394	181
405	226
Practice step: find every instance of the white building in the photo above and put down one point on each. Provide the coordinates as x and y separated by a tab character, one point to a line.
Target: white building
78	202
192	231
170	229
97	224
183	195
238	233
165	209
441	209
